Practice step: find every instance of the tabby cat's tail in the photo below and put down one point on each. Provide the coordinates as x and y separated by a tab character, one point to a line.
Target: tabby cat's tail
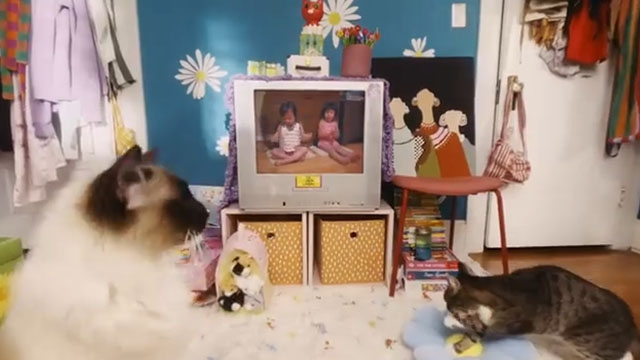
635	348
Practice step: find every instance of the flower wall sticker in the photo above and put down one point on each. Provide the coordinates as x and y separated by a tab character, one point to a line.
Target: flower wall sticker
195	73
419	46
338	14
222	145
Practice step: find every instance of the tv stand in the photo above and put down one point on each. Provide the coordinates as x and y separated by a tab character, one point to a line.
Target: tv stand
232	215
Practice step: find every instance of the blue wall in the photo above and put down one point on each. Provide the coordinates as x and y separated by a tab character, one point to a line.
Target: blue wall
185	130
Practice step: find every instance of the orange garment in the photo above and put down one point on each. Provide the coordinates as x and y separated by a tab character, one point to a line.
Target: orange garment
588	42
449	150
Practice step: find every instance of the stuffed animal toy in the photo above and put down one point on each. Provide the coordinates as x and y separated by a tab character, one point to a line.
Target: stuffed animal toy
242	280
231	298
245	274
462	343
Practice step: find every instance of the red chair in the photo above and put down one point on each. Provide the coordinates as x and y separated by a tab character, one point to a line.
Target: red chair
460	186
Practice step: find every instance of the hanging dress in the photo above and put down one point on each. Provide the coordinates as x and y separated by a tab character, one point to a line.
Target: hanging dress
624	119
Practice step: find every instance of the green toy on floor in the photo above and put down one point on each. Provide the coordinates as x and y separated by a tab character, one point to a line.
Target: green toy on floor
10	257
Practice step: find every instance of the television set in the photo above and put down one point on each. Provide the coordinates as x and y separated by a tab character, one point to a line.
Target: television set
308	145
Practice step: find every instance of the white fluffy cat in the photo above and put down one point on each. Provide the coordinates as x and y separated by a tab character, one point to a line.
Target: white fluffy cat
97	286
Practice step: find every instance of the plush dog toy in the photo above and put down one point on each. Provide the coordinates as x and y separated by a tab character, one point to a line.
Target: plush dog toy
242	280
245	274
231	298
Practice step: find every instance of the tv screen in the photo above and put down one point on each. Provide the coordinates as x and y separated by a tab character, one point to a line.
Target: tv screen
309	131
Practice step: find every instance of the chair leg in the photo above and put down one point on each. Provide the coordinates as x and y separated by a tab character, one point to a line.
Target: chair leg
397	246
452	226
503	233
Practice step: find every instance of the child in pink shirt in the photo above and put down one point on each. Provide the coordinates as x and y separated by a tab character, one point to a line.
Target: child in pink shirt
328	134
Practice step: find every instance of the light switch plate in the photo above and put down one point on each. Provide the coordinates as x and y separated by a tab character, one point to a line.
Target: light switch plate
458	15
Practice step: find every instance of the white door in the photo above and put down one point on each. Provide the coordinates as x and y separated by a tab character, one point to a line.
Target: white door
573	196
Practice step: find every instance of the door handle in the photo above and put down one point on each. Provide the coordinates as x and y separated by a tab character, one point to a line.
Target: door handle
515	87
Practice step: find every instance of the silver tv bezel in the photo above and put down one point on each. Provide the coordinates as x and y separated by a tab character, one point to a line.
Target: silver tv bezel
278	191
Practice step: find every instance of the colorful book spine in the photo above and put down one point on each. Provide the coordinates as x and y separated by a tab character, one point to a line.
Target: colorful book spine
424	287
442	260
429	275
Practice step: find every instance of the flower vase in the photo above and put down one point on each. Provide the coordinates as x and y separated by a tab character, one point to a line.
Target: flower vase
356	61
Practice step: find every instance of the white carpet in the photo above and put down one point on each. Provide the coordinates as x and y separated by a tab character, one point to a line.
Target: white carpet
324	322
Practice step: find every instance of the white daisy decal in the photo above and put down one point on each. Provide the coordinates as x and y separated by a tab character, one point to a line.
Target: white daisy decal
195	73
419	46
222	145
338	14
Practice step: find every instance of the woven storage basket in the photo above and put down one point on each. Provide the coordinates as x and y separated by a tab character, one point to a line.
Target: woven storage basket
284	245
351	251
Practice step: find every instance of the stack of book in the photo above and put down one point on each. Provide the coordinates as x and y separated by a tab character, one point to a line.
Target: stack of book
436	227
430	275
438	235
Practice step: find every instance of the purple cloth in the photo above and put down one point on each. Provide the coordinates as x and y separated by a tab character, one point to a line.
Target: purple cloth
231	174
63	60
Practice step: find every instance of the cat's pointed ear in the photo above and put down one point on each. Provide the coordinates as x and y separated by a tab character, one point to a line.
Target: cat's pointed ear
150	156
131	175
454	284
129	159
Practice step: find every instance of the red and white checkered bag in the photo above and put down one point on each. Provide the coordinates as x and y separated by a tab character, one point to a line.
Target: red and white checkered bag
504	162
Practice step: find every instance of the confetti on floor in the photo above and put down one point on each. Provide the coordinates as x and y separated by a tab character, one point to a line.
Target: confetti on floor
271	323
389	343
329	323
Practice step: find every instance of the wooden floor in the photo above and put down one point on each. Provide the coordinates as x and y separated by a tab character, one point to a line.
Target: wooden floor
618	271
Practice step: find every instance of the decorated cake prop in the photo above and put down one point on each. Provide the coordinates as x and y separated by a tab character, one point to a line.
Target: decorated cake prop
310	60
242	280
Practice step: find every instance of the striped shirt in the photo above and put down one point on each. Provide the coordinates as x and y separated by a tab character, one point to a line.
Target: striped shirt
290	139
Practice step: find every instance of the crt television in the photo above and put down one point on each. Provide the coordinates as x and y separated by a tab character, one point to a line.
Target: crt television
308	145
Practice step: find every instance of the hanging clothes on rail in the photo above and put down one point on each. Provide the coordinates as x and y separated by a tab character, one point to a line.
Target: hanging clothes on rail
624	119
103	17
36	159
588	31
119	76
15	20
66	74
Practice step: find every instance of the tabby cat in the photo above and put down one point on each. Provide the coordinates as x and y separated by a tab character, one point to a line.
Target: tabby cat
569	315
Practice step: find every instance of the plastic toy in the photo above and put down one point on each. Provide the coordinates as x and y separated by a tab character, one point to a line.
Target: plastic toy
312	11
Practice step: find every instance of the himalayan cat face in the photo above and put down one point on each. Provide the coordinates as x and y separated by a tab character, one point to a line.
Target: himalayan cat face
312	11
133	196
